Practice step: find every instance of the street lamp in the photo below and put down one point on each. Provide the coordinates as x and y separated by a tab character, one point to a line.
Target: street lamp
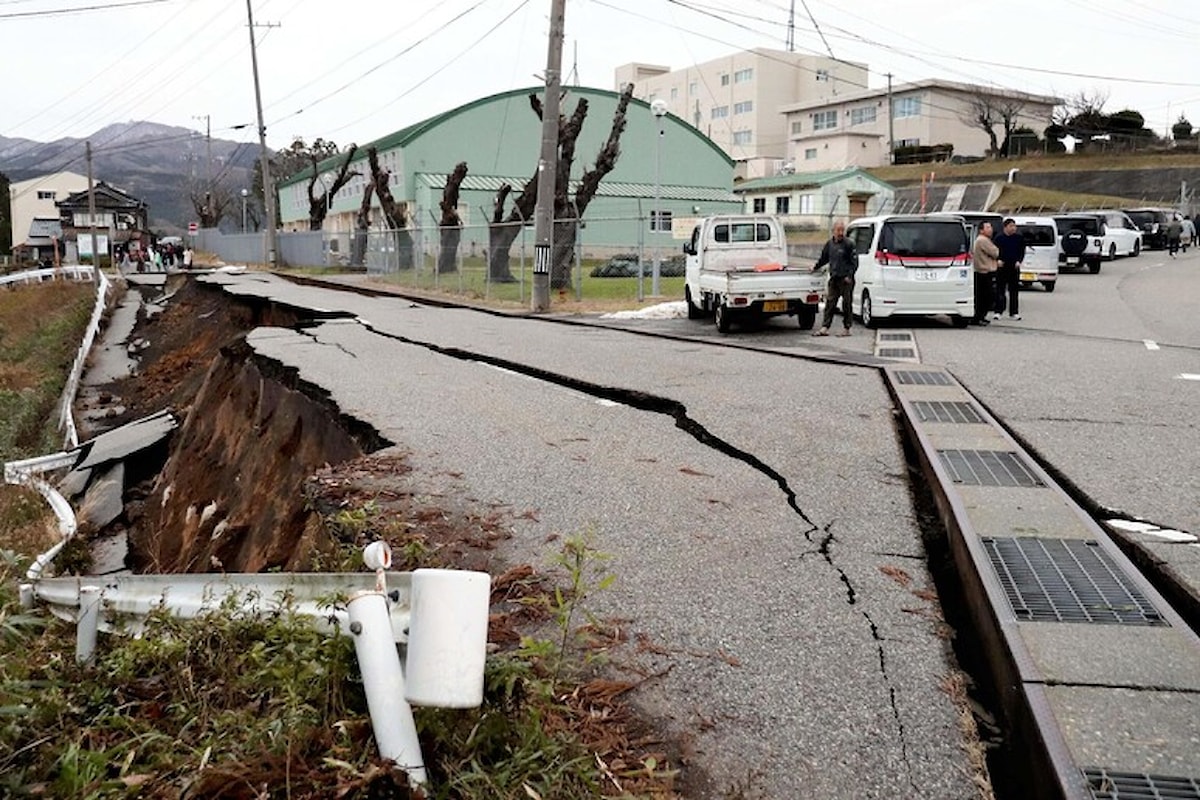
659	109
245	194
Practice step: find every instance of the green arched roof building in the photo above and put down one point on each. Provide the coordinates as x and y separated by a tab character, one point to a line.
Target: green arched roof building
500	137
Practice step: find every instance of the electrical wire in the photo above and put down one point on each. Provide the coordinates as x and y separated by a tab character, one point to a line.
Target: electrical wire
58	12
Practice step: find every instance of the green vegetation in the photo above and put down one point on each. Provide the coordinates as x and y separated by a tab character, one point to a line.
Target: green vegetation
1027	199
998	168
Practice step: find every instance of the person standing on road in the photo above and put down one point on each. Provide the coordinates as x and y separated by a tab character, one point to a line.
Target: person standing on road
839	254
1008	274
1188	233
984	254
187	257
1174	234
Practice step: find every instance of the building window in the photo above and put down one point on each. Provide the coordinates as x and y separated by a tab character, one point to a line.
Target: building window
824	120
781	205
720	112
862	115
743	75
745	107
760	205
692	89
908	107
47	195
797	128
810	154
660	220
743	137
808	204
908	143
725	79
822	76
674	93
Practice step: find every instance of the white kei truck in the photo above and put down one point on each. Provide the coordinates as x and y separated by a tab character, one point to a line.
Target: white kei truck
737	271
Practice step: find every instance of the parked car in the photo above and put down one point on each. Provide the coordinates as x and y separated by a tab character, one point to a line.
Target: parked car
913	265
1153	224
1122	236
1080	239
974	220
1041	251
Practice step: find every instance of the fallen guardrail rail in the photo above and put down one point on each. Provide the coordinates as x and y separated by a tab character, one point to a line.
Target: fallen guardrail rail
27	472
441	615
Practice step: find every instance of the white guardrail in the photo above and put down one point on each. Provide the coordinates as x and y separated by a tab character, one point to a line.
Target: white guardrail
442	615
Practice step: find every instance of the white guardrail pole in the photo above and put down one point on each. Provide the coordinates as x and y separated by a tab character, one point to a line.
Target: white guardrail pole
382	611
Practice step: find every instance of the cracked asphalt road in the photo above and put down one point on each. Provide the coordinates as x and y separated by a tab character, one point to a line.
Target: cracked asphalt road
769	568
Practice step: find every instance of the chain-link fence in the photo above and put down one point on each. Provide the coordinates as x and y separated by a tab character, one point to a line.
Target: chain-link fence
600	261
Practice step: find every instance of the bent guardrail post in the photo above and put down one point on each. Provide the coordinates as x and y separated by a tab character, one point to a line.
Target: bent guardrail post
89	623
382	676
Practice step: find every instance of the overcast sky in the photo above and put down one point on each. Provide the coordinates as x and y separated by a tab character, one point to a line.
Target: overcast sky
356	70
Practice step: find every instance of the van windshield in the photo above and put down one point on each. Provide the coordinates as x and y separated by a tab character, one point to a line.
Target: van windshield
1038	235
925	238
1089	225
1146	218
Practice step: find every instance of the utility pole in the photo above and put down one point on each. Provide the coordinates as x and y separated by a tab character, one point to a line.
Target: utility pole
548	163
91	216
264	159
208	181
891	125
791	33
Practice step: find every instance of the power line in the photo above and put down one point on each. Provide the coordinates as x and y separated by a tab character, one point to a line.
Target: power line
58	12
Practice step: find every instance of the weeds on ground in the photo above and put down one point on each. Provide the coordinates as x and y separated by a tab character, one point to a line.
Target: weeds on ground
236	706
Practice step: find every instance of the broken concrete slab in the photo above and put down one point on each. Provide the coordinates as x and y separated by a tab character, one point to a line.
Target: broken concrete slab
119	443
105	498
74	483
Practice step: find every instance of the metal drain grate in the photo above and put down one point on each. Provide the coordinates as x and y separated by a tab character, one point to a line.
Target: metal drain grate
1067	580
1108	785
895	337
923	378
896	352
987	468
943	411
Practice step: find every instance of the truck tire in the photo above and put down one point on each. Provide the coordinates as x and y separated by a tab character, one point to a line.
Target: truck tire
1094	267
722	318
1049	285
694	311
807	316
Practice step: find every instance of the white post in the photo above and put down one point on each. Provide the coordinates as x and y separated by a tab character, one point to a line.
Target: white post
659	109
88	623
383	682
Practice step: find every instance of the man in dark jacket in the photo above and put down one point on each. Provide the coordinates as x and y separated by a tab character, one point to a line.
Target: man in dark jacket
839	254
1008	275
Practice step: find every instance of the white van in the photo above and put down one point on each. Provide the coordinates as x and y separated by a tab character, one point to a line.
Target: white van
913	265
1041	251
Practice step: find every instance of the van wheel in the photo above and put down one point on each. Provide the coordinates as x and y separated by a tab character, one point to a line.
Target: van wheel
1137	247
1049	285
959	321
867	317
694	312
807	315
1094	267
722	318
1112	252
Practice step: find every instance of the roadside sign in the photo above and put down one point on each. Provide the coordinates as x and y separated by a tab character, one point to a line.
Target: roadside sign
193	227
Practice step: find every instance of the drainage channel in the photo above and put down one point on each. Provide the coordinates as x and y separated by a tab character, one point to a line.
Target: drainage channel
1096	676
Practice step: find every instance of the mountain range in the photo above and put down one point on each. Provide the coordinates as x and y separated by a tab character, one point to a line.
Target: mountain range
155	163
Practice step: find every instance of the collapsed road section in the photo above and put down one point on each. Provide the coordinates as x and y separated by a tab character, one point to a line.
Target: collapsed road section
770	577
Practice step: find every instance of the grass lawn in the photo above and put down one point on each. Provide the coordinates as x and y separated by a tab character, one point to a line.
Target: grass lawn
1030	200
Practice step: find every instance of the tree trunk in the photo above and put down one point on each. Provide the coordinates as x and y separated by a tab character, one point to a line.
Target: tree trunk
362	224
451	223
501	236
395	213
562	256
318	205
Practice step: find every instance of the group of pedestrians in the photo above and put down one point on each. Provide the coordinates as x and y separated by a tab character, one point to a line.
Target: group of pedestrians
998	259
1181	232
155	259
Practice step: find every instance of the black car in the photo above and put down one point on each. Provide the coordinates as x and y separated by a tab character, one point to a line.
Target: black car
1153	224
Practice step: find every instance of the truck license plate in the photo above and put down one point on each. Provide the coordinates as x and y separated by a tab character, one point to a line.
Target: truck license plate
775	305
1028	276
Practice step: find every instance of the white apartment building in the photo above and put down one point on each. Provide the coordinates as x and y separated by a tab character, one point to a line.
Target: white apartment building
736	100
34	199
851	130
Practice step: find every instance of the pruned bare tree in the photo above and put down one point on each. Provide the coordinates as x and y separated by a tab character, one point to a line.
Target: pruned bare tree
986	112
395	213
211	204
503	230
362	226
318	205
450	226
